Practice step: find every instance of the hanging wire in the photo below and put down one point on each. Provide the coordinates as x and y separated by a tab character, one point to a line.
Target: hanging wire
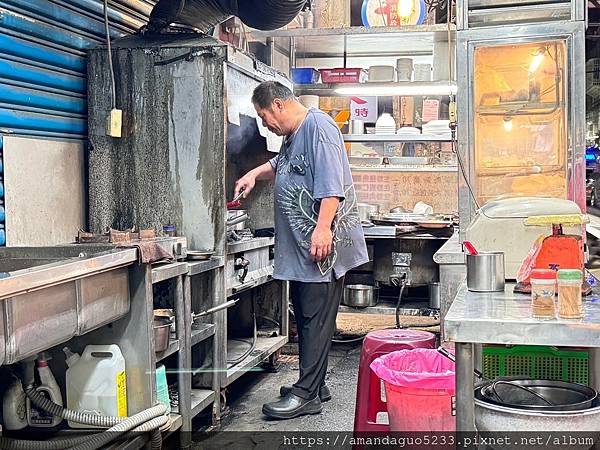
113	87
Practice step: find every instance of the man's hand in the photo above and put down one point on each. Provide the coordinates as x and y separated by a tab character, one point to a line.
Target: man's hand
321	244
246	184
248	181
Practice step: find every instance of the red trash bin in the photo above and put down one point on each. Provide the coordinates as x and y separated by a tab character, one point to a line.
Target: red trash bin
420	389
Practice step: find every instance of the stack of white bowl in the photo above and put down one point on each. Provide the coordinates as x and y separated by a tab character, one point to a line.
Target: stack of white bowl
385	124
404	68
422	72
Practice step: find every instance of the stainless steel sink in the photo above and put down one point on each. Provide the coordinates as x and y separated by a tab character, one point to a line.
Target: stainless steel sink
50	294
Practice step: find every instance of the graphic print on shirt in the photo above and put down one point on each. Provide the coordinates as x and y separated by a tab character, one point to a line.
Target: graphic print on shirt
301	208
298	164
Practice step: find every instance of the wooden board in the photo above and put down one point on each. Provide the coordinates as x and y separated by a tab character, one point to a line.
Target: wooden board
357	324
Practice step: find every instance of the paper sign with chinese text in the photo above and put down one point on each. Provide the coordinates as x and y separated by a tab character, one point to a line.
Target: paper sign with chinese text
363	108
431	110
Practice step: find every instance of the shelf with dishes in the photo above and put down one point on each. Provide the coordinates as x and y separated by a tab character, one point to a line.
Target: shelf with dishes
403	168
390	88
391	138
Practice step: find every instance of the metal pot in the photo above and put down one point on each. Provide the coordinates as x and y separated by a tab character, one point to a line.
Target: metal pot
490	418
434	296
538	395
485	272
365	210
360	295
237	219
162	329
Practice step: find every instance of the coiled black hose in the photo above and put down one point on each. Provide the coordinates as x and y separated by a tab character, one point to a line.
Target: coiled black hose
205	14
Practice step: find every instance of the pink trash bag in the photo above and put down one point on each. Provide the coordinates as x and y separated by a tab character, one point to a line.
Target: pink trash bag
417	368
419	389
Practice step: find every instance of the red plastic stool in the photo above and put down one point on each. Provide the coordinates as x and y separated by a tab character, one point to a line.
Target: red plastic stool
369	396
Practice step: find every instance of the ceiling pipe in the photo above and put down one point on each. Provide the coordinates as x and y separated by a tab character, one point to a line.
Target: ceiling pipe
205	14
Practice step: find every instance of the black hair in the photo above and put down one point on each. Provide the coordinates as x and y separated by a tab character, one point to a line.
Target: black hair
267	91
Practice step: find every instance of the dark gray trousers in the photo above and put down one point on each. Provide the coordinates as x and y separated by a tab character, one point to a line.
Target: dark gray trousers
315	308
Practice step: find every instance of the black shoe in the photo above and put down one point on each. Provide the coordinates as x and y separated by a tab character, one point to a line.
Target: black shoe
324	393
292	406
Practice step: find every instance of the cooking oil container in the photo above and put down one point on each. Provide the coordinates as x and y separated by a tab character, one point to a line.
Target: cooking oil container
96	382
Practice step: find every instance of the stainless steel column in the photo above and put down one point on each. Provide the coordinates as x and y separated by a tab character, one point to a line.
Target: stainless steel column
594	368
183	317
465	417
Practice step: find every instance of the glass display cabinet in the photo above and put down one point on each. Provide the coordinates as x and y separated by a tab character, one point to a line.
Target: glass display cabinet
521	110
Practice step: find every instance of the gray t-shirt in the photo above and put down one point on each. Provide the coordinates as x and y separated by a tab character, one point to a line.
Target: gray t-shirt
313	165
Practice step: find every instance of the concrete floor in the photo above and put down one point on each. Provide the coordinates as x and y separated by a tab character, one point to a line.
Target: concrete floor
247	396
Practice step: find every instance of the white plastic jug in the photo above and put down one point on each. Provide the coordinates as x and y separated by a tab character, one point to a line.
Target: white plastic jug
96	382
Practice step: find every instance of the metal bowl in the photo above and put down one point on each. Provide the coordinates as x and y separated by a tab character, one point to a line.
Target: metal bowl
162	331
360	295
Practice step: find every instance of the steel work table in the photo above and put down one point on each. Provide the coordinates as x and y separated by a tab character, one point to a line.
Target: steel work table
505	318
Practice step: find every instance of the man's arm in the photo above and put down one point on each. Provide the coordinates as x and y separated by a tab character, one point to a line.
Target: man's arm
265	171
322	237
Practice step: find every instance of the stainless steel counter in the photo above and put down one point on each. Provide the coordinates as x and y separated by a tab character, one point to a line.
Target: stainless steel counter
505	318
453	272
451	252
50	294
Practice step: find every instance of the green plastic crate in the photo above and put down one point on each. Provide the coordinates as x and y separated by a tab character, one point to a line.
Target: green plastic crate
542	363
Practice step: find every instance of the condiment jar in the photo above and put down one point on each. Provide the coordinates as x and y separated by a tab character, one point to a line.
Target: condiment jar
543	290
570	305
170	230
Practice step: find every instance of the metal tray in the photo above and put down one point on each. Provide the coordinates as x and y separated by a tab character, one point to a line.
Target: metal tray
401	218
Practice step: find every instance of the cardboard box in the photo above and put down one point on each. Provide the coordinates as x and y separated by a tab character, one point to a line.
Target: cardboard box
403	111
334	103
331	13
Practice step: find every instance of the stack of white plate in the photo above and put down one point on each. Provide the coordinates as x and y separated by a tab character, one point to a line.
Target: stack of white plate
408	131
385	124
437	127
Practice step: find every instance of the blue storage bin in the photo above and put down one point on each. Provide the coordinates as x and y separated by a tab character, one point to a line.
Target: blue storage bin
1	189
305	75
2	214
2	238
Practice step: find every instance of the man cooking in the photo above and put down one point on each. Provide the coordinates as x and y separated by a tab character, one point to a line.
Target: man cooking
318	235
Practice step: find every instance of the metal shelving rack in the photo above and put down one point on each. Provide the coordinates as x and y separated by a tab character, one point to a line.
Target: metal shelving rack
192	401
391	138
266	348
342	44
330	89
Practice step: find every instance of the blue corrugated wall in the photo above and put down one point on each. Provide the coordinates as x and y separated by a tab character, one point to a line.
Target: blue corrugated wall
43	65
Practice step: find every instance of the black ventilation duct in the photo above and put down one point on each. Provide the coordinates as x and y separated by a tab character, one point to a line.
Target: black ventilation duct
205	14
